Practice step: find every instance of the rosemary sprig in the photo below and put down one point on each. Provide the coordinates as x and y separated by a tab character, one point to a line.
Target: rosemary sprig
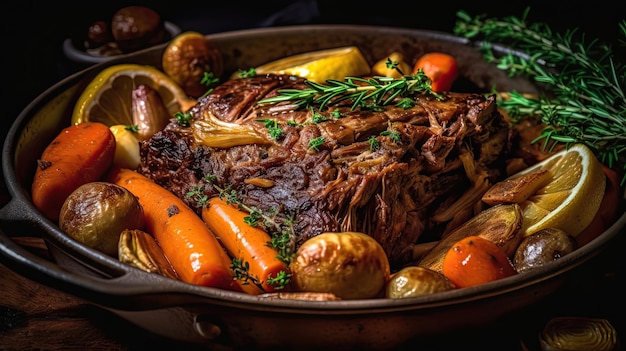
378	90
583	100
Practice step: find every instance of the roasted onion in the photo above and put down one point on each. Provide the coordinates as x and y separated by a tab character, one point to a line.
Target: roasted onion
578	334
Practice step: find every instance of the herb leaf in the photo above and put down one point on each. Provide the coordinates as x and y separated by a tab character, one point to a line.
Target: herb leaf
378	90
583	99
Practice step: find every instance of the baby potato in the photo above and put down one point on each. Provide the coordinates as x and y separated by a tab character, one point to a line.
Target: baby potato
414	281
541	247
188	57
350	265
96	213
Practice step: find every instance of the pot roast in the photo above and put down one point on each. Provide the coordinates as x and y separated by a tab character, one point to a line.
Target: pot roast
401	175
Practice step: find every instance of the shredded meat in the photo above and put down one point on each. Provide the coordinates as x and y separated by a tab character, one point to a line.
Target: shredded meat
399	175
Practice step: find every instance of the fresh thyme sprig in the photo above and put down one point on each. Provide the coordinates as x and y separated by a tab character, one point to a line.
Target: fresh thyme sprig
183	118
209	79
379	90
583	99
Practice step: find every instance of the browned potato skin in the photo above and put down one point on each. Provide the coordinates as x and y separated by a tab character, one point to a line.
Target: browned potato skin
188	57
96	213
414	281
542	247
350	265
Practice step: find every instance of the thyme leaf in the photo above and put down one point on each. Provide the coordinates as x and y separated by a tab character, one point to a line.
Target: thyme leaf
374	143
273	128
183	118
315	143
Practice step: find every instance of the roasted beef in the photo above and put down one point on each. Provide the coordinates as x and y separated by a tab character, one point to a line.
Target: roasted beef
401	175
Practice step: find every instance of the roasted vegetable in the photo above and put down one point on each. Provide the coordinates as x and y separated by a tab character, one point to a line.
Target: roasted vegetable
258	264
188	57
578	334
350	265
137	27
96	213
474	261
191	247
79	154
441	68
139	249
414	281
500	224
394	66
149	112
542	247
126	147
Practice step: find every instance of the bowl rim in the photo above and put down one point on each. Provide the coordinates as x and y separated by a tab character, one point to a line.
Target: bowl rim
74	53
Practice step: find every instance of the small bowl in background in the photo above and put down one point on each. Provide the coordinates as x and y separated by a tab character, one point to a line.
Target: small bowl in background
73	50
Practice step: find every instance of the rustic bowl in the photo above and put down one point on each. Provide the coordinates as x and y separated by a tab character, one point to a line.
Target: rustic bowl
222	320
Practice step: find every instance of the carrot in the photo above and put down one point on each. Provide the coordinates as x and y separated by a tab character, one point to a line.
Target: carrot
191	247
79	154
442	69
244	242
474	260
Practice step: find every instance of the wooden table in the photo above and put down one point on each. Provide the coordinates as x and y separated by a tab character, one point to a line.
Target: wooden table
36	317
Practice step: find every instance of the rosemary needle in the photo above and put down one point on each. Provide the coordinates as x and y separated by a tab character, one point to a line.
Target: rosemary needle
379	90
583	99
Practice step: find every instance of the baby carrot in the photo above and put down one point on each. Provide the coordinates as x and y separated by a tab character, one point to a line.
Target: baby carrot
79	154
188	243
474	260
243	241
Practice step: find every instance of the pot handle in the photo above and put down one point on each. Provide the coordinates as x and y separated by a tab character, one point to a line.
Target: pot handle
109	284
130	302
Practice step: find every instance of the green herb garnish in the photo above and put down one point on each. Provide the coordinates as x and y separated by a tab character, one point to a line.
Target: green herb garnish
249	73
377	90
183	118
583	99
374	143
272	128
315	143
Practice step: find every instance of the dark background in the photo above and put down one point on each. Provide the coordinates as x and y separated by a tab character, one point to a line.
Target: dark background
34	30
32	58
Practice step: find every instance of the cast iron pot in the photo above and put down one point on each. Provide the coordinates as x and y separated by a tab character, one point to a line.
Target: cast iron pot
219	319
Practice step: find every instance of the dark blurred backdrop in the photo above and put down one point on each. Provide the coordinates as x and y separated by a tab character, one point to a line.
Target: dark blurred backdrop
33	31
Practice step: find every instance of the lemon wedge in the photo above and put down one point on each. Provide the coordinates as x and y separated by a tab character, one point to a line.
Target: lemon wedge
320	66
563	191
108	96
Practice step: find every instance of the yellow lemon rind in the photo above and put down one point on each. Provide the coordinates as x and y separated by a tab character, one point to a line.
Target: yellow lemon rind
103	81
577	210
320	66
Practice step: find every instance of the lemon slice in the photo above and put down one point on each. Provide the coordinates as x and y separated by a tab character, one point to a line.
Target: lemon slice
320	66
563	191
108	97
